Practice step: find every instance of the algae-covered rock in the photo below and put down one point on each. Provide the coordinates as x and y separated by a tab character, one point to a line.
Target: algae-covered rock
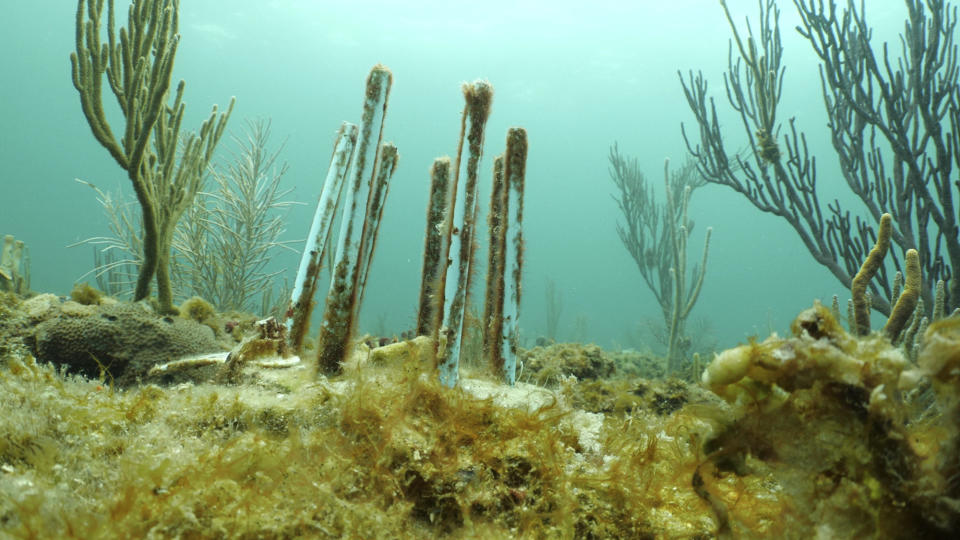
83	293
545	365
626	396
123	341
41	307
10	319
198	309
632	363
833	424
417	350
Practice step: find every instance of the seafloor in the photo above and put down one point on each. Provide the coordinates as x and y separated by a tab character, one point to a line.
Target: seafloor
816	435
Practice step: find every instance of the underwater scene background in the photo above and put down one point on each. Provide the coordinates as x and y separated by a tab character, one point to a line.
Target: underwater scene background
577	77
610	410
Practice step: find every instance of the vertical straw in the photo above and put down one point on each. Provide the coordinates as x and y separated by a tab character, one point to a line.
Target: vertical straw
497	221
478	97
436	245
356	230
378	198
515	174
305	286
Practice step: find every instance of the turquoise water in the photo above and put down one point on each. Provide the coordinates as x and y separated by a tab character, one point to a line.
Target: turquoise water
577	78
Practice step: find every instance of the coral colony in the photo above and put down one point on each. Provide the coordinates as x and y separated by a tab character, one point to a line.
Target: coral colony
165	168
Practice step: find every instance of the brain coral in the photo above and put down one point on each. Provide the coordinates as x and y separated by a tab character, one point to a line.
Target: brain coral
125	339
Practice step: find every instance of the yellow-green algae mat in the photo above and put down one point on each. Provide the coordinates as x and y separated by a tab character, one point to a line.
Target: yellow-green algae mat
385	451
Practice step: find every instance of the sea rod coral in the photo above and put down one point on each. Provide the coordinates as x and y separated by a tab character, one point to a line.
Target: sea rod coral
164	167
